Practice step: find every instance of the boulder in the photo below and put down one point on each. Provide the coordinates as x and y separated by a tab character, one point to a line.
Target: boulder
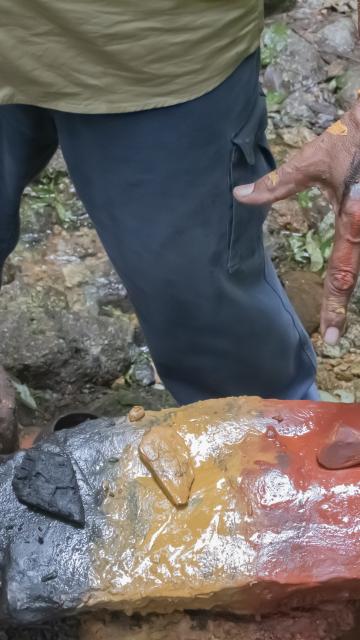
338	37
293	60
264	527
47	345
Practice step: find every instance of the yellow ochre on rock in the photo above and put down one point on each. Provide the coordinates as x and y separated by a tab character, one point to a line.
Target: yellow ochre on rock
263	527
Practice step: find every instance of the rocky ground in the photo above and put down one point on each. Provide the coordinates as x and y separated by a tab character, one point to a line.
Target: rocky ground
68	332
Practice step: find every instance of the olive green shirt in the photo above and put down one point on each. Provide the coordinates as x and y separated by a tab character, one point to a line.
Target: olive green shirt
103	56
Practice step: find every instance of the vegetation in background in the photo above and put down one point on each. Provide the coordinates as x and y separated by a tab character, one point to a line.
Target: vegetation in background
274	41
314	247
53	192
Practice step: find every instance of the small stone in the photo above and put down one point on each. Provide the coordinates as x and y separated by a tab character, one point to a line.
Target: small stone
342	449
136	413
337	351
48	577
119	382
165	452
142	372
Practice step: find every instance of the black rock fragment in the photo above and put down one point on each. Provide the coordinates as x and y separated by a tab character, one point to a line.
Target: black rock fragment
46	481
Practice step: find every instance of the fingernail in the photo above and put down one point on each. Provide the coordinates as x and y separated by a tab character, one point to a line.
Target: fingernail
244	190
332	336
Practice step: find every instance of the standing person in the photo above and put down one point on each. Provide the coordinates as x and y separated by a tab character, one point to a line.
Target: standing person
158	112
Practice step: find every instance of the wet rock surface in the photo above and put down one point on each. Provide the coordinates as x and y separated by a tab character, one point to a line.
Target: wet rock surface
256	477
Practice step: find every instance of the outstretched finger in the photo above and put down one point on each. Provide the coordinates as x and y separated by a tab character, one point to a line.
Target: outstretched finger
300	172
343	269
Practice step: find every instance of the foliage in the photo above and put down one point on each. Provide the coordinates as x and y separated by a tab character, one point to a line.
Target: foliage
315	246
306	198
274	40
25	395
52	190
274	100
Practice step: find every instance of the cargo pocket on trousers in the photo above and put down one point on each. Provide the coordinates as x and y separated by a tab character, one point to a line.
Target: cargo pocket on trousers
250	159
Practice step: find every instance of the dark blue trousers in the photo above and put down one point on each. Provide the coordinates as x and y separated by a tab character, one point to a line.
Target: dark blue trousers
158	187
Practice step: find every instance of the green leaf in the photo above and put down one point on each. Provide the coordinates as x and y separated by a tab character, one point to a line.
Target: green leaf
314	251
65	217
25	396
305	199
274	99
297	244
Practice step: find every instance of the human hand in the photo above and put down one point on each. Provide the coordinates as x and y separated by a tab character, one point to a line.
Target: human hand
331	162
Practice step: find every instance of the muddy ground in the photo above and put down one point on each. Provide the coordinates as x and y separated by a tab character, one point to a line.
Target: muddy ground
68	333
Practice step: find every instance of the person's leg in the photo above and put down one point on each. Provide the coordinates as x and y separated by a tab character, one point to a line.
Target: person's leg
158	186
27	142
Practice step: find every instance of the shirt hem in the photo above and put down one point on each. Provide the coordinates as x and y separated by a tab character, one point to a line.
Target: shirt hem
112	107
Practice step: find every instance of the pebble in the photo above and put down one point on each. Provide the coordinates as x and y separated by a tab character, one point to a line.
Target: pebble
136	413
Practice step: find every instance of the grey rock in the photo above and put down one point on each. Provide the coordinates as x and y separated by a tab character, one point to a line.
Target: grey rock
48	346
57	162
296	109
307	107
143	373
298	64
338	37
337	351
353	330
350	86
